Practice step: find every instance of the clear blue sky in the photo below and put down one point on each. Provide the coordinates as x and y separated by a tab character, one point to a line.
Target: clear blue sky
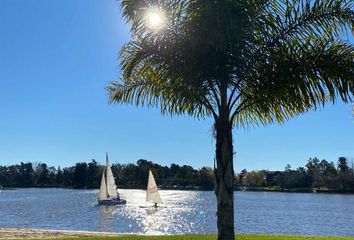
56	57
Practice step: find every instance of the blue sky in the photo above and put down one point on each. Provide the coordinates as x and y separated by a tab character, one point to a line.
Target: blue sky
56	57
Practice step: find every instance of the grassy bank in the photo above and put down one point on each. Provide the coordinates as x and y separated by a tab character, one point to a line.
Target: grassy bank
213	237
40	234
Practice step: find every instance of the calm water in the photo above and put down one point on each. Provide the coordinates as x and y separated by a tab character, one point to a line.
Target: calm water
186	212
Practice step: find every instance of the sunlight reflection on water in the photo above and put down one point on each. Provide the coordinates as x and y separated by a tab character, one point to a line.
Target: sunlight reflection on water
182	212
174	215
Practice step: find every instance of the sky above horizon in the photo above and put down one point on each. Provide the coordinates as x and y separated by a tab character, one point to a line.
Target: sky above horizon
57	57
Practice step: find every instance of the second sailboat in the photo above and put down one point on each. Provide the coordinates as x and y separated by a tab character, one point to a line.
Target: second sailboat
152	192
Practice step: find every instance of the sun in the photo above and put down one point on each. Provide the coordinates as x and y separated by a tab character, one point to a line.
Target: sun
154	18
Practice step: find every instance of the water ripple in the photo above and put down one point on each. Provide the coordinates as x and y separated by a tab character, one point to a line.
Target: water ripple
182	212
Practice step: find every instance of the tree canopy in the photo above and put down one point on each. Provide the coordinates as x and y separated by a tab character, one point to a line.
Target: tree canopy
273	59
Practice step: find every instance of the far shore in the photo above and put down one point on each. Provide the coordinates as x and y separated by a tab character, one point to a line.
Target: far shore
196	188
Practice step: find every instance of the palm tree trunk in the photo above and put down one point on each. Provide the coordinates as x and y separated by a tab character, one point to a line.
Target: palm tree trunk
224	179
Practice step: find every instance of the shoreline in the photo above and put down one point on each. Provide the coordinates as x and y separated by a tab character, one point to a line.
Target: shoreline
23	233
236	189
29	233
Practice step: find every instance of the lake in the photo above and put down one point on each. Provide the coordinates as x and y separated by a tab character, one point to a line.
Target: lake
185	212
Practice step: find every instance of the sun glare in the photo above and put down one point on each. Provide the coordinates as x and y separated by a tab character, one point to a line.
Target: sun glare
155	18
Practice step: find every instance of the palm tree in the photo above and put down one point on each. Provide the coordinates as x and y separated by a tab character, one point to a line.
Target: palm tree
239	62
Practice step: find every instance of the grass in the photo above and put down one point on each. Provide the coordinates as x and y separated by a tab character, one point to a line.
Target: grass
213	237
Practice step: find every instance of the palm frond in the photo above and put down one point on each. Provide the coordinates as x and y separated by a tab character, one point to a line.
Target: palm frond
270	59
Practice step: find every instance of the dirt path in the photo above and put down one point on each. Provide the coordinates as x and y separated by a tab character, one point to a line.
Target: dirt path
11	233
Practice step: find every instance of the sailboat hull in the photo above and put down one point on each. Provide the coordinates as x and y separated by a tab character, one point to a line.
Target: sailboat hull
112	202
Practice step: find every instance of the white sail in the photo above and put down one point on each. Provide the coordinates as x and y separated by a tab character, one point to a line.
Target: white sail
111	185
102	194
152	193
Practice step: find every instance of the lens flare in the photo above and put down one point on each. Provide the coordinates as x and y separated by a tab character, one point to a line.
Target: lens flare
154	18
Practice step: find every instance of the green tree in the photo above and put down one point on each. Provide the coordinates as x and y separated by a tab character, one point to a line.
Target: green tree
241	176
314	170
143	171
13	175
93	178
346	177
3	176
327	168
42	173
129	174
117	170
59	177
206	178
174	168
342	165
80	175
254	179
294	179
186	175
287	168
68	176
239	62
26	175
52	176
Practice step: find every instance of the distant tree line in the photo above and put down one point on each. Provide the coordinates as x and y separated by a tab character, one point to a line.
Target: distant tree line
88	175
316	175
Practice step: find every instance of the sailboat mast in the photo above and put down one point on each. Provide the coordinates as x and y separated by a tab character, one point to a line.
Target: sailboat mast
105	173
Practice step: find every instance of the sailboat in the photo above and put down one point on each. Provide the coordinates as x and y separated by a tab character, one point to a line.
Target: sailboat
108	194
152	192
